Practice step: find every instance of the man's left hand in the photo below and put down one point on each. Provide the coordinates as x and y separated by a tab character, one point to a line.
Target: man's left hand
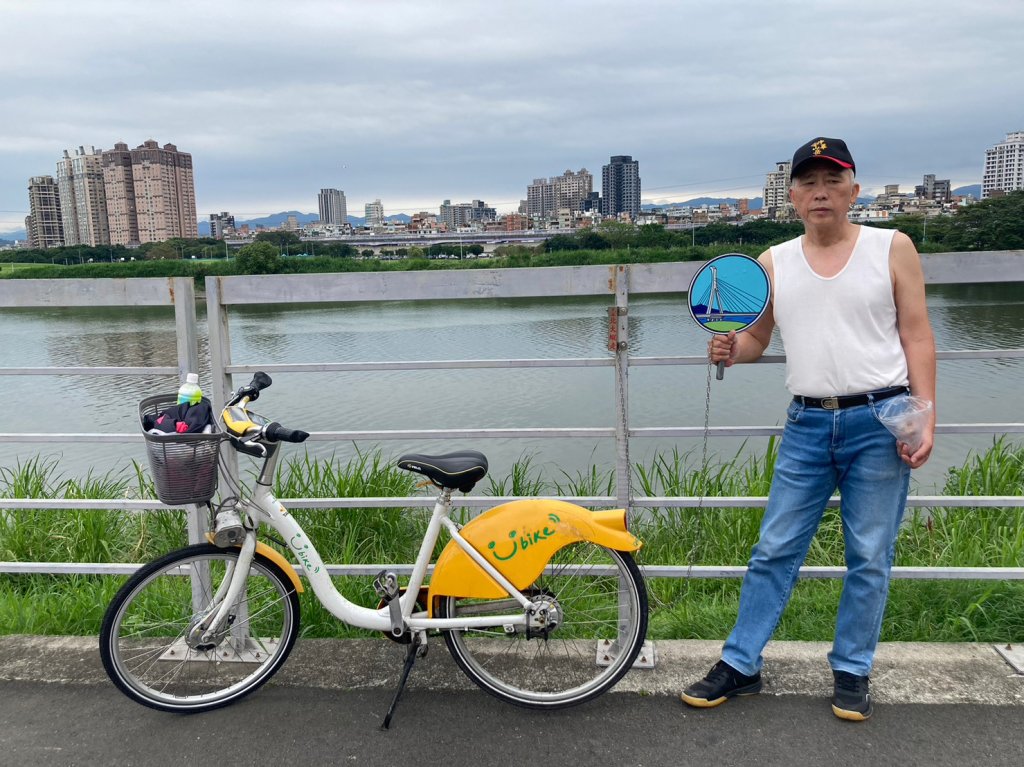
918	458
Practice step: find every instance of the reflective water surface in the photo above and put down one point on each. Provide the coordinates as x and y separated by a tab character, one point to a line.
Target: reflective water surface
964	317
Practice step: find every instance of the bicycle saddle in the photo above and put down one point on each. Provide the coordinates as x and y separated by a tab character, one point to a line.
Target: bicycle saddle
454	471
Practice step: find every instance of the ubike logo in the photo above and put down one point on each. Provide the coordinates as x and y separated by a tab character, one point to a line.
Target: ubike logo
525	540
301	549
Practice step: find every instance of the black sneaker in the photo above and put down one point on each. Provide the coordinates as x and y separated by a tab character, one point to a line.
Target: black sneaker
721	683
850	697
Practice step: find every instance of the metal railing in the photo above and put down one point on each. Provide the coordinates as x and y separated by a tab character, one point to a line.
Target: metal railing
176	292
617	283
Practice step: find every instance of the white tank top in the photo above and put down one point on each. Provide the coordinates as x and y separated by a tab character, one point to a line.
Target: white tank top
839	332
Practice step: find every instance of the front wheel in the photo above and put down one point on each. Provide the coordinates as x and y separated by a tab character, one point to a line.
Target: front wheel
594	604
151	651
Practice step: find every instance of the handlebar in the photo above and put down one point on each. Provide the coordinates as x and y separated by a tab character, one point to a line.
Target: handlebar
248	427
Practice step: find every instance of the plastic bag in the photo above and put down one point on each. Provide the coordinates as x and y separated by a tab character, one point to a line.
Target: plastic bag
906	419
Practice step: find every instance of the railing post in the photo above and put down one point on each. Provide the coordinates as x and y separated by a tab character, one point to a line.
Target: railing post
623	483
220	358
619	341
184	294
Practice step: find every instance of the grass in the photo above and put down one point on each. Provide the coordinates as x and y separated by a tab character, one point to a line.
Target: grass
957	610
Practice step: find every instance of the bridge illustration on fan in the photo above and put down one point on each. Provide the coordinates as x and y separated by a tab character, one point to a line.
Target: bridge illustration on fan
728	293
723	306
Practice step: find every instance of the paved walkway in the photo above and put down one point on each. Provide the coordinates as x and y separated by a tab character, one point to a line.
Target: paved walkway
937	704
903	673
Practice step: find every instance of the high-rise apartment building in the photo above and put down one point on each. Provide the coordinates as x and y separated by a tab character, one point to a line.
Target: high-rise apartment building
220	224
333	208
374	214
620	186
151	193
44	225
540	199
934	189
571	189
83	199
119	186
1004	166
545	197
775	195
464	213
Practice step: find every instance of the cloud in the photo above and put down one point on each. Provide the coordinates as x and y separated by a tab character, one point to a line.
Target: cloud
414	103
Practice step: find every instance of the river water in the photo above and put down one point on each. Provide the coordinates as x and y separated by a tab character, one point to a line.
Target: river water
989	316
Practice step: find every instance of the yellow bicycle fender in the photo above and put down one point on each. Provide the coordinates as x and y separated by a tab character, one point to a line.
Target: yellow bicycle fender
274	556
519	538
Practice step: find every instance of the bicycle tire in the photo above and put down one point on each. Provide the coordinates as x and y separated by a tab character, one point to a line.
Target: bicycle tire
559	670
142	641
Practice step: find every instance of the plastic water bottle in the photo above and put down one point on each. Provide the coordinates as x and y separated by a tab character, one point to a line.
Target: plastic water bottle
190	393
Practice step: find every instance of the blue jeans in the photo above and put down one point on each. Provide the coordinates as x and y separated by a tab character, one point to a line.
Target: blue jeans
822	450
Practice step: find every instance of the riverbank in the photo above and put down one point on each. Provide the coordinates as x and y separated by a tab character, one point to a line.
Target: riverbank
919	610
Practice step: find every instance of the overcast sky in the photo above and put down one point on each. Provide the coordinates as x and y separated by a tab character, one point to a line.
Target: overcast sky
416	102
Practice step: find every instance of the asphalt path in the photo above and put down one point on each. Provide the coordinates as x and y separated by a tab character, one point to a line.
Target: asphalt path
935	705
72	724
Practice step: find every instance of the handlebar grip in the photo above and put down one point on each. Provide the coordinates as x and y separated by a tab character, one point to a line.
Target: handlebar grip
275	432
259	382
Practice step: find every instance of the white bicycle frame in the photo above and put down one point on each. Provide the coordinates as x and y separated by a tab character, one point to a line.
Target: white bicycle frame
269	509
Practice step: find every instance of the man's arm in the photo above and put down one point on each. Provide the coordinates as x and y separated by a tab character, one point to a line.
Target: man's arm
915	334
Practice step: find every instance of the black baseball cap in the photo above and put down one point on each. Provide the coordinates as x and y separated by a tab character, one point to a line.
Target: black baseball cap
823	148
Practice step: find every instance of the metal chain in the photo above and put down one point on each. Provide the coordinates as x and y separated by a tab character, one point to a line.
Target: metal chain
701	489
707	428
625	447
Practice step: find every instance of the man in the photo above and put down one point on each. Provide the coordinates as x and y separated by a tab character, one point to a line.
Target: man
849	302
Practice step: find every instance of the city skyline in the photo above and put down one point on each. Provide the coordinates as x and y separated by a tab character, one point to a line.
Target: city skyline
464	101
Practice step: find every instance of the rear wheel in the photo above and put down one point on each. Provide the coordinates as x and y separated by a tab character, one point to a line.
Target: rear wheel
151	653
590	623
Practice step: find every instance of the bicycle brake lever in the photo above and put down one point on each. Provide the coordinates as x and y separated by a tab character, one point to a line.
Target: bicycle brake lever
249	448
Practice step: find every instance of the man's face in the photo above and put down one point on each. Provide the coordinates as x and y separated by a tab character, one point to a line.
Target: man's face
823	192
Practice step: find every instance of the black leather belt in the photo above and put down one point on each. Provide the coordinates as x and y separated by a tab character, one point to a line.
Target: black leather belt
850	400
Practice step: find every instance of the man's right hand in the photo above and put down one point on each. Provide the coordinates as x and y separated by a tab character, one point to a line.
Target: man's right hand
723	349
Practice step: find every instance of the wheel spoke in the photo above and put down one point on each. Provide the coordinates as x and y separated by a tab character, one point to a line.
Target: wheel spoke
558	668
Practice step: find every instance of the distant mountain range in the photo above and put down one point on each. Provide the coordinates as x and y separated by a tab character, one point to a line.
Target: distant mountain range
755	203
275	220
973	189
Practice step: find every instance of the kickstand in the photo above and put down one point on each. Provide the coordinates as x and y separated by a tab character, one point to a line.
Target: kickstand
416	650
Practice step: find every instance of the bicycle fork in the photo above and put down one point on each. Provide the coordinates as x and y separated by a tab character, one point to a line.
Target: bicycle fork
204	632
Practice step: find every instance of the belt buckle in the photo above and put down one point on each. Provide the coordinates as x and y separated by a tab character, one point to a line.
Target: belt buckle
830	403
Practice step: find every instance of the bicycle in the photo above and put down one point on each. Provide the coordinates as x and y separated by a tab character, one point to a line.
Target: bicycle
520	593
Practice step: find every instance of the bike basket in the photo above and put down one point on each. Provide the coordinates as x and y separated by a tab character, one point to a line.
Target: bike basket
184	466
